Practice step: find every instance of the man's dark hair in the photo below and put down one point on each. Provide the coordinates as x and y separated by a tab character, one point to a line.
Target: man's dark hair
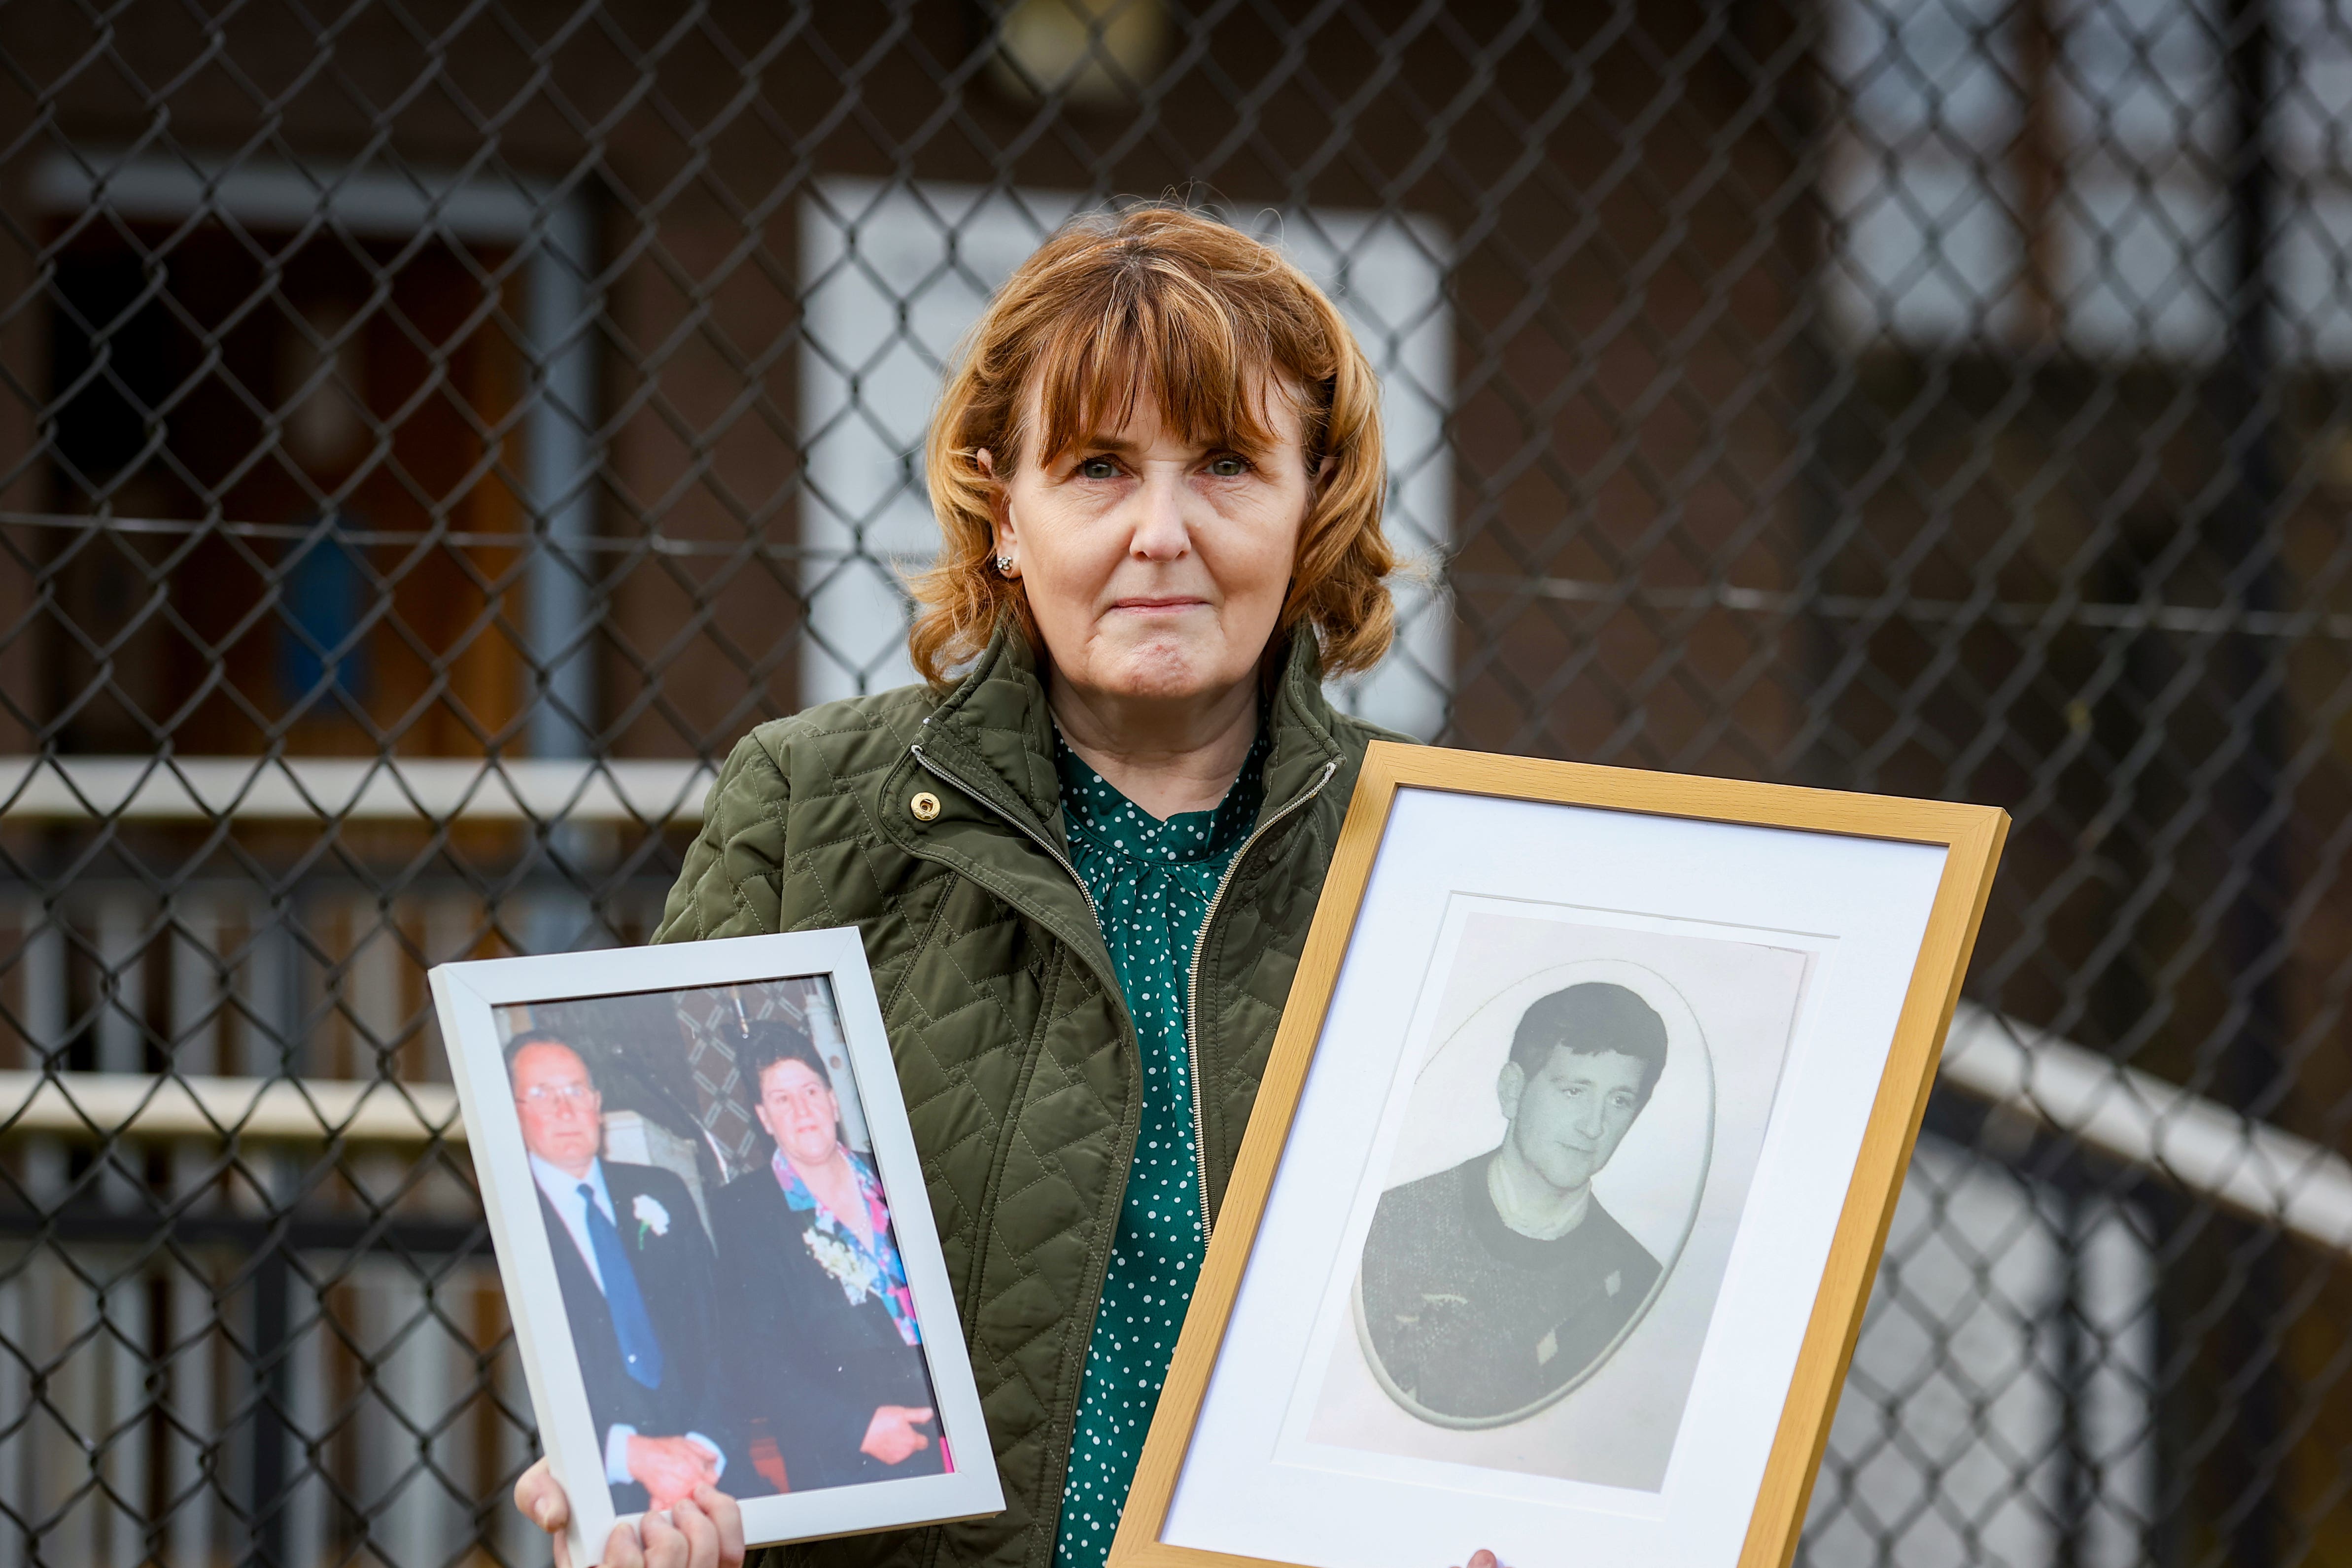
530	1037
1588	1020
767	1041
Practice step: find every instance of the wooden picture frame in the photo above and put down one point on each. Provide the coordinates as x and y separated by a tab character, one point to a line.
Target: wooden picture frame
623	1015
1738	1499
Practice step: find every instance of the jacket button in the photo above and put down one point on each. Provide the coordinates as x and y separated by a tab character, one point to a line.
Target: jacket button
925	805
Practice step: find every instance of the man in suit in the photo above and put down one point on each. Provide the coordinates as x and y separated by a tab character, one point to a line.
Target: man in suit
1488	1289
636	1271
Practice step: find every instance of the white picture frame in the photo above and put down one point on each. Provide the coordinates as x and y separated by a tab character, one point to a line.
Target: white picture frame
1578	1342
477	1002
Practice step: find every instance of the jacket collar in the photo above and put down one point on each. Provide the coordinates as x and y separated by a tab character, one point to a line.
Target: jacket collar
995	732
1306	745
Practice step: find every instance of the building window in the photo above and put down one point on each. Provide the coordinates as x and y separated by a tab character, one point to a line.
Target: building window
2058	171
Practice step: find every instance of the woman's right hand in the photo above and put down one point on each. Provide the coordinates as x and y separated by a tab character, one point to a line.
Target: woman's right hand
705	1530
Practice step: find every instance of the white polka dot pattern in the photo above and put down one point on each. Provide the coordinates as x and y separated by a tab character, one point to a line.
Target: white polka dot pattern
1152	882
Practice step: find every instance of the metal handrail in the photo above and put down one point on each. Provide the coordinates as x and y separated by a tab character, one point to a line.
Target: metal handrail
2199	1144
158	1107
631	792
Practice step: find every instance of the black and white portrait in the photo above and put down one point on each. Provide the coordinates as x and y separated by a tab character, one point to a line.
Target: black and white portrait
1569	1160
1544	1231
1490	1286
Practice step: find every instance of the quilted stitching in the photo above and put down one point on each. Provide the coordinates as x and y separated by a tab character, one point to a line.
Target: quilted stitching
1013	1050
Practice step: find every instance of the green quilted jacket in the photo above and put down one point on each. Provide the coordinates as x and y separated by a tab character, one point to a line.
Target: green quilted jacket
1013	1047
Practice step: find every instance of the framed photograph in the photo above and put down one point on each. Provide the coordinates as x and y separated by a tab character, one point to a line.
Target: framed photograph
714	1235
1567	1176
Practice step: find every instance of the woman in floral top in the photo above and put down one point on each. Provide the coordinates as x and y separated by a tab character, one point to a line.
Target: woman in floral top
863	1260
848	1398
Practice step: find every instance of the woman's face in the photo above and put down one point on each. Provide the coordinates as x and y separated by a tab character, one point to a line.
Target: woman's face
1156	568
797	1108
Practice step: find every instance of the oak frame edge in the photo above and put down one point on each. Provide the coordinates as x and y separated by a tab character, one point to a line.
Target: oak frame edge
1888	1138
1973	838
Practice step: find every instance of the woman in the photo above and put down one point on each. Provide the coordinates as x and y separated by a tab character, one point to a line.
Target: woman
1084	870
807	1257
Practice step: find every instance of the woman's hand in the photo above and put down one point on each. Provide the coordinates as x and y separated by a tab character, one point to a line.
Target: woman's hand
891	1436
704	1530
1482	1558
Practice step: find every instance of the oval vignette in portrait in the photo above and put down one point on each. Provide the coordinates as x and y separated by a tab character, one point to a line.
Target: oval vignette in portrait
1644	1200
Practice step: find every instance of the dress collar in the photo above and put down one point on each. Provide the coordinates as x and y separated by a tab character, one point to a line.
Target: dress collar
796	1192
1106	820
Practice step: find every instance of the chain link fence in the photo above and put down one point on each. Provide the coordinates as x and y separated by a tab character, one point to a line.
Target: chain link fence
432	430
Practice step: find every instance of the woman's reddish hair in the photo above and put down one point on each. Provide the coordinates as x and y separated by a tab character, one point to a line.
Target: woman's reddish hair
1163	304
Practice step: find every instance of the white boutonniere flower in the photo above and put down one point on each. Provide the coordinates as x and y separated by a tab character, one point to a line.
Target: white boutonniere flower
650	1217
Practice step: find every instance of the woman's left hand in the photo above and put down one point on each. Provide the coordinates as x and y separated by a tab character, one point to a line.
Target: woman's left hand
891	1436
704	1530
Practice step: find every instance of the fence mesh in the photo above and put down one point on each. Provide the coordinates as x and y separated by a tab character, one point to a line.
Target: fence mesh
432	430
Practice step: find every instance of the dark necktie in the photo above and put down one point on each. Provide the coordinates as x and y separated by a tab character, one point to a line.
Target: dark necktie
640	1351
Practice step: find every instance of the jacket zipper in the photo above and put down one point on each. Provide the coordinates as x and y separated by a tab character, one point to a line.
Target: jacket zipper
1200	942
1192	987
948	777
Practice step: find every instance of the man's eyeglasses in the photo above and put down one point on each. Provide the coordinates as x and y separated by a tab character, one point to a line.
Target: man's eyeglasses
567	1095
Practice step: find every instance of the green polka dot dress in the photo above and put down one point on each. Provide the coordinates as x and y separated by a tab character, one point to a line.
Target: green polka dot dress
1151	882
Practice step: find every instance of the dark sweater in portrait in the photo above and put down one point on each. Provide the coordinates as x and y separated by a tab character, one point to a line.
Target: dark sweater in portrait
1471	1321
815	1365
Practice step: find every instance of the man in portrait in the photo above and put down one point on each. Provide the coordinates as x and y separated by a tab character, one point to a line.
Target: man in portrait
1487	1287
635	1270
810	1273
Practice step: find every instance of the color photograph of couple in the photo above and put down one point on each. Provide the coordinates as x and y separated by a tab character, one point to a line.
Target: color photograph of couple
708	1190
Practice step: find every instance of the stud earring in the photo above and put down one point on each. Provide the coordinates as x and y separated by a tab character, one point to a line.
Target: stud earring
1004	565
